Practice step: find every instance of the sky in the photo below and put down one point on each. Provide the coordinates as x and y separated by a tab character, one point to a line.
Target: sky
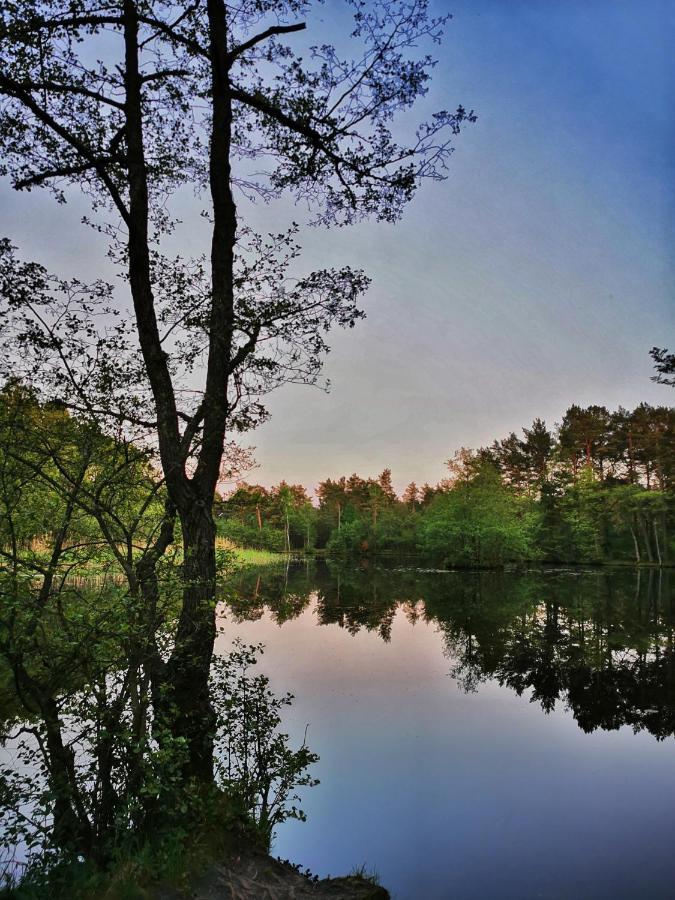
538	275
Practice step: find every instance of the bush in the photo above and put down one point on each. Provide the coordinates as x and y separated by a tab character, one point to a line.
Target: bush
254	763
264	538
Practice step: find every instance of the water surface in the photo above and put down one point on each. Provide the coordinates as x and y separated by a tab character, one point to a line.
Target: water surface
481	735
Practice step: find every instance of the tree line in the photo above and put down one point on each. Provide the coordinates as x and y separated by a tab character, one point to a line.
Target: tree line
596	488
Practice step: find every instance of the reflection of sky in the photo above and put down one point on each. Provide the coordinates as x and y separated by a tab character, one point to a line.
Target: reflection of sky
539	275
453	795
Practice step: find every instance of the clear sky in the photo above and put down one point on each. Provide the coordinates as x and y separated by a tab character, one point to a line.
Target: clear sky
538	275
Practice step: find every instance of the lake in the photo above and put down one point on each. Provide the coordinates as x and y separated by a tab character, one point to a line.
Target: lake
482	735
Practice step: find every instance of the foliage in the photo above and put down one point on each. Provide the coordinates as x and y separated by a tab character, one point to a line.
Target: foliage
598	642
265	538
277	519
664	363
146	794
597	488
254	763
86	625
481	522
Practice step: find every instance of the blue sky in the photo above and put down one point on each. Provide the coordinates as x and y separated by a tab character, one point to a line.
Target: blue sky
538	275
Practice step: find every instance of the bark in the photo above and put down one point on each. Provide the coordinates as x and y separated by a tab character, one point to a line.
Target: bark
189	666
635	542
146	583
221	325
645	537
72	832
140	280
192	715
631	460
188	670
656	540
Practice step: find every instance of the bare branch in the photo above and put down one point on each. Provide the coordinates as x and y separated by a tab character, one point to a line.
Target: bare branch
274	30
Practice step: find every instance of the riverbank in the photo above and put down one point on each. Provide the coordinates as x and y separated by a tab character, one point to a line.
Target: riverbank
409	559
252	875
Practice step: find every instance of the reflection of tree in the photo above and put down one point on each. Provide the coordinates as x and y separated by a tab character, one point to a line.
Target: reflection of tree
595	643
285	591
599	642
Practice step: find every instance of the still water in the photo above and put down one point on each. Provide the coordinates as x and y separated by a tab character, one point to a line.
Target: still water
481	735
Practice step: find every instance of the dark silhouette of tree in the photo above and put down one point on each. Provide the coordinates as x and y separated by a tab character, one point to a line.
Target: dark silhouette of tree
538	449
411	495
664	363
128	101
583	434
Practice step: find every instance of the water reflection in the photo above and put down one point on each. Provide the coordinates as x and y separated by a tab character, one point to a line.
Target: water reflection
599	642
470	793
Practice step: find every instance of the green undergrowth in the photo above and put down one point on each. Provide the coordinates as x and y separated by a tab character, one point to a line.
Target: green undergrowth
102	565
172	859
248	556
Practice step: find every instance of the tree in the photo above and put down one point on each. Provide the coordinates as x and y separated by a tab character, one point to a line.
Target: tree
479	522
583	433
509	453
538	449
128	100
411	495
85	663
292	512
664	363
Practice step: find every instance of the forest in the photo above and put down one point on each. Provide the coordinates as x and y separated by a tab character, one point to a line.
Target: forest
597	488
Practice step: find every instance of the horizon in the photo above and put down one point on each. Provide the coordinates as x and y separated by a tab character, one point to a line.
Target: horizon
249	477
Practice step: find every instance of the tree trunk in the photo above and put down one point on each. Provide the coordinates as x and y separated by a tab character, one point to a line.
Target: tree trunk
635	542
192	715
656	540
631	461
645	537
71	831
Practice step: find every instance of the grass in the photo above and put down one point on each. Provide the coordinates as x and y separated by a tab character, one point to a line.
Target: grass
364	874
170	860
102	565
248	556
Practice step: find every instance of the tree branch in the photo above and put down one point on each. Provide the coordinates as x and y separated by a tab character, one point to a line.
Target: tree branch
64	171
164	73
173	35
263	36
58	88
13	88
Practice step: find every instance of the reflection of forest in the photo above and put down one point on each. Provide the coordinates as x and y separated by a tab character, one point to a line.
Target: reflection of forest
598	641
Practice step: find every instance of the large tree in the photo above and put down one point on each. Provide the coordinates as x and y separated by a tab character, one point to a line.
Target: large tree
128	100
